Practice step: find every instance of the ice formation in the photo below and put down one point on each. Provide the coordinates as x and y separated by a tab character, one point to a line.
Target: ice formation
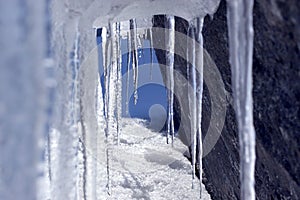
22	98
151	50
199	97
76	155
135	58
193	98
128	72
241	49
170	51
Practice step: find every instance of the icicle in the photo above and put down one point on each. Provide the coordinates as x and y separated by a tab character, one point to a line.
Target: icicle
119	81
100	138
135	58
140	48
199	97
111	132
170	73
75	63
189	48
241	49
104	63
151	48
128	71
81	169
192	93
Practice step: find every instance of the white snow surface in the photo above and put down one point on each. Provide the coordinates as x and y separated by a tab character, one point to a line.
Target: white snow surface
145	167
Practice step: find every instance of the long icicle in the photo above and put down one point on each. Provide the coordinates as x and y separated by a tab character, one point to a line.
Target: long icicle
111	131
109	117
199	98
119	82
240	28
170	65
188	69
151	49
135	58
193	103
128	72
104	63
76	73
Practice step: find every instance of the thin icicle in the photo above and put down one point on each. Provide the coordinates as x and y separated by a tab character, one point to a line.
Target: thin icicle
100	138
104	62
199	97
119	81
151	51
151	48
240	27
75	62
192	94
170	74
75	99
135	58
188	52
111	131
128	72
140	47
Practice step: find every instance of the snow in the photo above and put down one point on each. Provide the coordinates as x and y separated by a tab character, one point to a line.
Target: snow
122	10
143	166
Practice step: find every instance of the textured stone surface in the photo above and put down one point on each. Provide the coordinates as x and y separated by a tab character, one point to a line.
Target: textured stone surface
276	93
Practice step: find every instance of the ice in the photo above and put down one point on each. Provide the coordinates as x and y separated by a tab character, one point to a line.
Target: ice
105	66
129	49
119	81
120	10
240	28
135	58
22	98
75	64
193	101
199	93
170	73
151	49
79	160
194	54
111	123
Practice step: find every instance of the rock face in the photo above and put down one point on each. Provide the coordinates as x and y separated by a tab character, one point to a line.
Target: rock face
276	95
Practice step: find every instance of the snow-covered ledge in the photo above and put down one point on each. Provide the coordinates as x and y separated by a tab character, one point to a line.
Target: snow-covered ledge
121	10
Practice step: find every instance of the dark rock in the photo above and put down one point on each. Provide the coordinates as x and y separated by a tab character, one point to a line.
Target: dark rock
276	93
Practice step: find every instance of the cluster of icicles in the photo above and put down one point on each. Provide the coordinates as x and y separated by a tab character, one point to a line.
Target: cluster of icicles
241	41
112	63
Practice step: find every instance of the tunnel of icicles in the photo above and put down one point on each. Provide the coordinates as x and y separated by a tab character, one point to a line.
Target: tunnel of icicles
90	107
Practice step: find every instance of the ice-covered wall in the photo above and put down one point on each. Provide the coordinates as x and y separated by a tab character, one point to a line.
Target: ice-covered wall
22	97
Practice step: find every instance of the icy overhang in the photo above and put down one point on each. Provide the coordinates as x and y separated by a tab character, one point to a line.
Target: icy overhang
122	10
